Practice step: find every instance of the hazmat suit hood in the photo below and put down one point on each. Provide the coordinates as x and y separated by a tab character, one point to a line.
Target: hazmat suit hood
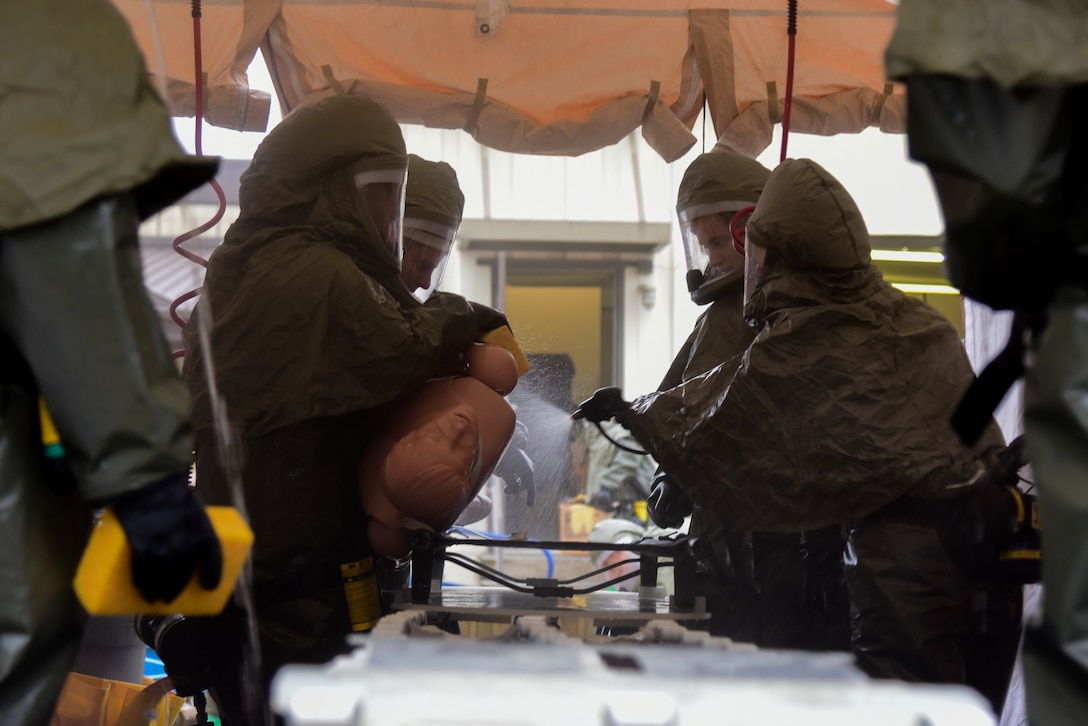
303	174
721	175
303	308
433	193
843	401
433	204
719	182
803	263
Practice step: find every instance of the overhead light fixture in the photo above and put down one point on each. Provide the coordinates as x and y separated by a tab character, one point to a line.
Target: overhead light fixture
907	256
926	289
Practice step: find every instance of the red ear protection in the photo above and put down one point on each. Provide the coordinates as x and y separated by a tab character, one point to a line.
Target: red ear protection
737	225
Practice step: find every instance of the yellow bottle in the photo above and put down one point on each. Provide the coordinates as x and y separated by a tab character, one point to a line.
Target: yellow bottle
363	595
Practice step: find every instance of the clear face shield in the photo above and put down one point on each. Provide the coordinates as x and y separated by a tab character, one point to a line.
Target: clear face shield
427	248
754	257
713	259
381	199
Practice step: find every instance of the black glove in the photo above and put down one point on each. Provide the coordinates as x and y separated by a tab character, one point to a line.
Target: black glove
603	500
487	319
668	504
170	536
516	469
604	404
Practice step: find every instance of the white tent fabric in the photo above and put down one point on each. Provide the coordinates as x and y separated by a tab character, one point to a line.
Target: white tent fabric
559	77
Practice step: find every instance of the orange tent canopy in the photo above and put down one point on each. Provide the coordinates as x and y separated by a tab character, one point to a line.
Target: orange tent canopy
559	77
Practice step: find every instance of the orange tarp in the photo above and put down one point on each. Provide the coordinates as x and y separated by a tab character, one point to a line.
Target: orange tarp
540	76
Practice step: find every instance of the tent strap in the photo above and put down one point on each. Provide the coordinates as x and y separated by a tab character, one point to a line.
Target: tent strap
655	92
878	105
326	70
477	106
773	112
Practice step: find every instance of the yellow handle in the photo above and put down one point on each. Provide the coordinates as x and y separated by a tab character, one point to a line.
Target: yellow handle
49	430
104	578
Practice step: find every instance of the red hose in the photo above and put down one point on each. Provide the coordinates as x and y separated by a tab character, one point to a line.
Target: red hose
186	236
791	30
737	226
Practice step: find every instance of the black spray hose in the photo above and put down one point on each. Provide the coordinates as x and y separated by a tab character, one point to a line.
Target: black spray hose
618	444
791	31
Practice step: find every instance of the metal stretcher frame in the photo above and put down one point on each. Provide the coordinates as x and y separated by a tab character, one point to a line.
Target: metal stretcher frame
429	556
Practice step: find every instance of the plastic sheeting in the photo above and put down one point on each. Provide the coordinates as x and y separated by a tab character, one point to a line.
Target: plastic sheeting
540	76
987	331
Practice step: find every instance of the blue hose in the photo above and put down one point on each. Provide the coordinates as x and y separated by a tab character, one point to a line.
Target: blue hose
495	535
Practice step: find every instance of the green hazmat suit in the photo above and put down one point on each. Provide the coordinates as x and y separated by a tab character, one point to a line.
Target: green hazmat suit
838	413
312	337
838	346
433	193
88	152
80	117
614	477
1029	56
774	589
433	204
